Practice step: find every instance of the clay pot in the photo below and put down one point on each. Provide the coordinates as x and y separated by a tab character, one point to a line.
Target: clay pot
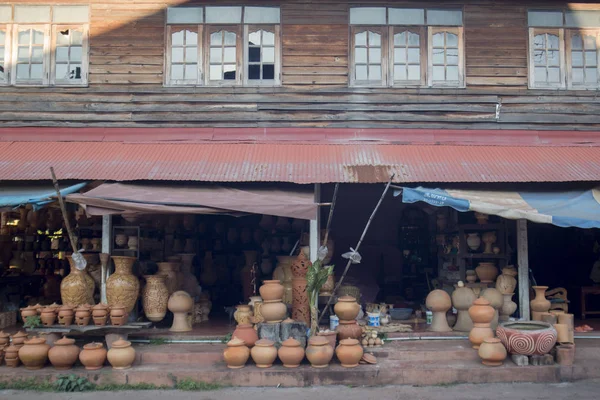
118	316
438	301
471	276
4	339
27	312
273	311
346	308
506	282
508	307
328	286
242	314
77	288
492	352
331	336
48	316
11	356
264	353
100	314
121	239
155	297
300	304
93	356
236	354
300	265
18	339
565	354
540	304
349	352
122	287
481	314
82	316
463	298
66	315
271	290
167	269
34	353
489	238
527	337
562	331
180	304
318	352
247	333
486	272
348	330
291	353
121	355
496	300
64	353
473	241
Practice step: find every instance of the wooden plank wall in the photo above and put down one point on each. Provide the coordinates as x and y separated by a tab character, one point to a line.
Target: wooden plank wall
126	76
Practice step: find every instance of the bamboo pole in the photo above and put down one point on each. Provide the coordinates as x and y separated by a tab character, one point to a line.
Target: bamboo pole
339	283
63	210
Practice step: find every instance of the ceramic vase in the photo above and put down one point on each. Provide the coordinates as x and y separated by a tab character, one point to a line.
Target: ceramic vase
540	304
264	353
122	287
121	355
496	301
236	354
121	239
463	298
492	352
155	297
180	304
486	272
300	305
189	281
439	302
93	356
242	314
273	311
77	288
481	314
346	308
247	333
506	282
349	352
34	353
271	290
508	307
318	352
473	241
167	269
489	238
291	353
64	353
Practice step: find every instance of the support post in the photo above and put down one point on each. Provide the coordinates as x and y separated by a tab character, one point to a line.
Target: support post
315	227
106	245
523	260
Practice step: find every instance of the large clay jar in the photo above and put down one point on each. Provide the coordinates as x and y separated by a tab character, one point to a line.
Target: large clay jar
247	333
318	352
291	353
236	354
93	356
346	308
34	353
180	304
264	353
481	314
496	300
167	269
122	287
540	304
300	305
77	288
349	352
271	290
506	282
11	356
48	316
439	302
273	311
348	330
242	314
463	298
64	353
121	355
508	307
66	315
189	282
527	337
492	352
155	297
486	271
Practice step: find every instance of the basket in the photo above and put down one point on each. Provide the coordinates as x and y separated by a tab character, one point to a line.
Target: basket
349	290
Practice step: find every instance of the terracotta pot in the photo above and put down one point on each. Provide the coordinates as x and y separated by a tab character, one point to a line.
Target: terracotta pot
264	353
274	311
331	336
11	356
540	303
496	300
348	330
562	332
565	354
93	356
247	333
346	308
82	316
64	353
463	298
486	272
300	305
439	302
121	355
189	282
77	288
492	352
118	316
27	312
48	316
18	339
34	353
508	307
4	339
271	290
349	352
167	269
66	315
242	314
180	304
527	337
236	354
506	282
122	287
291	353
318	352
155	297
481	314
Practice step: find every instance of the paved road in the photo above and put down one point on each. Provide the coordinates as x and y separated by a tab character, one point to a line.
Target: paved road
518	391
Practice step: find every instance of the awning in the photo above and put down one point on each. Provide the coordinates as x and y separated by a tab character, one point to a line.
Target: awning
574	208
121	198
13	196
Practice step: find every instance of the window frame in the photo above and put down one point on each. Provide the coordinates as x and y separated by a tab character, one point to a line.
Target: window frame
45	81
459	32
214	28
533	31
421	31
569	33
84	55
381	30
199	29
7	54
276	30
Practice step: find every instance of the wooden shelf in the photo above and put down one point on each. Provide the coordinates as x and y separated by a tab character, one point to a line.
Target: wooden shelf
483	256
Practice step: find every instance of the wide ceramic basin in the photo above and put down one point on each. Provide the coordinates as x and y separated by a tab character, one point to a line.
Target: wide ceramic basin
527	337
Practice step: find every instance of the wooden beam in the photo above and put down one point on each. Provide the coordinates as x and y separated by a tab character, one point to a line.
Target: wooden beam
106	247
523	260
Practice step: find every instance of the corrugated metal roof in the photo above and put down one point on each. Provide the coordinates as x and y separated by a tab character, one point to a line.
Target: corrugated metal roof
297	163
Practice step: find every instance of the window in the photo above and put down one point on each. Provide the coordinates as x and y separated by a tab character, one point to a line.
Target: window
563	49
223	46
38	48
406	47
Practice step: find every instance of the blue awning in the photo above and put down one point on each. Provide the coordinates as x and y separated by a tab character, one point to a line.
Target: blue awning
573	208
13	196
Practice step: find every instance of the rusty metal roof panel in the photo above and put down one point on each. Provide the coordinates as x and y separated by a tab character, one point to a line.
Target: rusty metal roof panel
297	163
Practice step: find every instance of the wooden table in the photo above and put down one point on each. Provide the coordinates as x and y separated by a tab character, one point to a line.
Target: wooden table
111	332
585	290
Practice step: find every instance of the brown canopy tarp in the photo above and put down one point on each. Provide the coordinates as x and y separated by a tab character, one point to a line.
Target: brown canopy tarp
135	198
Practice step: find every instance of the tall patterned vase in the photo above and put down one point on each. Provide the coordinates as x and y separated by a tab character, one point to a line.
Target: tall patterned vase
77	288
155	297
122	287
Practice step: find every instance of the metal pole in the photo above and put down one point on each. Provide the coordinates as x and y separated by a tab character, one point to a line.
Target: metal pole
106	244
523	260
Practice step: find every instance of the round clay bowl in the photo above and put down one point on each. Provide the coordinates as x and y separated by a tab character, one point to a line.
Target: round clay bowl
527	337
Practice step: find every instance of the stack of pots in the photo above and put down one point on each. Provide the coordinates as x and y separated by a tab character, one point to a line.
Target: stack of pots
482	314
506	284
347	309
100	314
273	309
300	305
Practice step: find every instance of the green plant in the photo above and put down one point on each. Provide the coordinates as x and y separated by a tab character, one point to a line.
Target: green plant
226	338
72	383
33	321
192	385
315	279
112	387
27	384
